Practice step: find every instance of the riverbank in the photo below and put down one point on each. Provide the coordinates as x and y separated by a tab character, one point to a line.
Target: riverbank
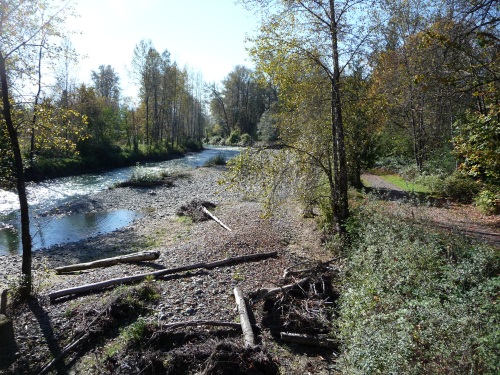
43	328
102	159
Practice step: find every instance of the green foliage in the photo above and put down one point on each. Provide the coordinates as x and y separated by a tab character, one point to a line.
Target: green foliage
215	140
477	144
135	332
191	145
488	201
415	302
6	159
270	175
267	127
459	187
233	138
218	159
245	139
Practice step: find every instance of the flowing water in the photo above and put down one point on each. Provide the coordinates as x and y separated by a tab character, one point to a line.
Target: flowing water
44	196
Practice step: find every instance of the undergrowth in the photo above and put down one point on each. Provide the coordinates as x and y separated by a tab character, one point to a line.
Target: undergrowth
218	159
417	302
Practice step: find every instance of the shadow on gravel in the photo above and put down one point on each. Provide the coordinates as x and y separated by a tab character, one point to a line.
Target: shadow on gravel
48	332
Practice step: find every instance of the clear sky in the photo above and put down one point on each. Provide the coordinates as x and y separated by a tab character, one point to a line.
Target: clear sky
206	35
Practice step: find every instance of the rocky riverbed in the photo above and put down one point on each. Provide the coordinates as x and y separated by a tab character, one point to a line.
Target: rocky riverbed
42	328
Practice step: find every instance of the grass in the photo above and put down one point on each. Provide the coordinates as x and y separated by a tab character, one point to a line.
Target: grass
400	182
406	185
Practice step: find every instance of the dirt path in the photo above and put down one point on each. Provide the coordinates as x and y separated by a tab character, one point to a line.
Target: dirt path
450	216
377	182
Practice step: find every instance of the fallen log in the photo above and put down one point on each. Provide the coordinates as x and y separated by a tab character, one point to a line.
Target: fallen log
265	293
107	262
155	274
246	327
312	340
214	218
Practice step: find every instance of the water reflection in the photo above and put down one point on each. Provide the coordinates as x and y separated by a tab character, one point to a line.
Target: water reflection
50	194
51	230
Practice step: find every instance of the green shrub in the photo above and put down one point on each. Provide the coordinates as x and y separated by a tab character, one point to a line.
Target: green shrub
218	159
245	139
416	302
233	138
215	140
409	172
459	187
488	202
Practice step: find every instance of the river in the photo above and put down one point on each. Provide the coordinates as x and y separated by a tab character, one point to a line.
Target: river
48	230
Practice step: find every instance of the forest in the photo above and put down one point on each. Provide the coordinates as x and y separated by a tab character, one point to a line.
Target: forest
403	88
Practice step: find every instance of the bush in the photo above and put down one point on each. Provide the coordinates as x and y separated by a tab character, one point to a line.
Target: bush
459	187
393	163
215	140
433	182
245	140
415	302
218	159
234	137
488	202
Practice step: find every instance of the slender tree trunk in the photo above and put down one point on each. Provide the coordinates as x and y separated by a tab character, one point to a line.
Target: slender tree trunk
20	183
35	105
341	203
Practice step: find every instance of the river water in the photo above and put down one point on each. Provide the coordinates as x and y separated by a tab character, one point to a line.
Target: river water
48	230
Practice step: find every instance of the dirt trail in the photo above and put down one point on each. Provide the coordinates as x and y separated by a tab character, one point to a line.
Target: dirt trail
450	216
377	182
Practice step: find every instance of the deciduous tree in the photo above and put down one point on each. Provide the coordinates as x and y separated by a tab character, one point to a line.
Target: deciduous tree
21	24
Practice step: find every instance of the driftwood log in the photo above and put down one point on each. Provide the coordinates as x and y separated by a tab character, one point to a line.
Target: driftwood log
312	340
265	293
214	218
122	280
107	262
246	327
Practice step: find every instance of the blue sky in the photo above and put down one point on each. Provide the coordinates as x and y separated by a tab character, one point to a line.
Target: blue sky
206	35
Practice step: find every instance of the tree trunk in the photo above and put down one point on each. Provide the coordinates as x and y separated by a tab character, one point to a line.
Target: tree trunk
20	183
341	203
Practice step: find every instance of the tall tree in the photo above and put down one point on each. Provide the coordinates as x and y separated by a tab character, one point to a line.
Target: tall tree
21	22
107	85
317	36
